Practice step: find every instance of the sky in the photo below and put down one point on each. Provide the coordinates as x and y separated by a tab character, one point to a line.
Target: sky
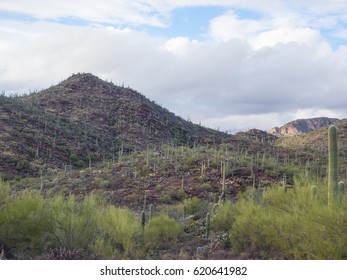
230	65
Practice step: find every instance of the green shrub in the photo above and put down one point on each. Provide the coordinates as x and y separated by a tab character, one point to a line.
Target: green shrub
4	194
161	232
23	165
292	225
119	230
74	224
23	224
195	206
224	216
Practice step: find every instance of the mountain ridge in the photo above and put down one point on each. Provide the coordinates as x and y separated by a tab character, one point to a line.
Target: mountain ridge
303	126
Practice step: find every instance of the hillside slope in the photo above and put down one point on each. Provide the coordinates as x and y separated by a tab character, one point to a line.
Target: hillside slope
84	120
31	139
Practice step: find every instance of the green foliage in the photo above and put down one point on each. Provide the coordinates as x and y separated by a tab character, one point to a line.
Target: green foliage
224	216
74	225
23	165
23	223
119	230
4	194
194	206
289	225
30	225
162	232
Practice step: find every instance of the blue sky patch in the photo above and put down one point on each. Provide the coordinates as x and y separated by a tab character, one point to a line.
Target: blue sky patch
13	16
192	22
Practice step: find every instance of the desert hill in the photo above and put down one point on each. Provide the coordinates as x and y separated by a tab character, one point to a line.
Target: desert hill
84	120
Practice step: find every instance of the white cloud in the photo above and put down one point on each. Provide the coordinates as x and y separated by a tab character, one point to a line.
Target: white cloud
105	11
254	73
178	45
285	36
315	112
246	122
229	26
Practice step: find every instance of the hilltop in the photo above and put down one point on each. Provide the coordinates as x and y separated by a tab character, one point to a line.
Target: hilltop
118	112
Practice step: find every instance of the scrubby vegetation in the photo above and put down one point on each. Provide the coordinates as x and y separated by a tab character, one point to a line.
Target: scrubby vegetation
300	220
297	224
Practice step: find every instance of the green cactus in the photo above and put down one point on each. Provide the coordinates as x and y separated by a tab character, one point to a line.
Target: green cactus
222	196
150	211
185	211
333	165
214	198
143	220
341	189
284	182
208	225
215	208
145	201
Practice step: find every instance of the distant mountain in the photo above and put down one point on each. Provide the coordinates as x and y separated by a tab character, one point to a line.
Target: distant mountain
303	126
84	119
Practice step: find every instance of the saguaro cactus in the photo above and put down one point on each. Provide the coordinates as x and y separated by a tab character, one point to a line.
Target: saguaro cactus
150	211
143	220
208	225
333	165
341	189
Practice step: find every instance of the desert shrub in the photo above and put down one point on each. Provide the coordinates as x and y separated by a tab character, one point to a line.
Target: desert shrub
290	225
195	206
23	224
4	194
3	177
101	183
119	230
224	216
161	232
73	224
165	197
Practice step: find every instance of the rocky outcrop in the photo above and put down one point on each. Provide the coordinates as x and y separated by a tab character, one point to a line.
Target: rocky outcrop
303	126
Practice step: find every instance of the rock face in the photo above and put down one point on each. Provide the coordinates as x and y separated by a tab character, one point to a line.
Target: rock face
303	126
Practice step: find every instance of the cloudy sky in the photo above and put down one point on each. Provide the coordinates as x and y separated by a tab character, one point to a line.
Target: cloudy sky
232	64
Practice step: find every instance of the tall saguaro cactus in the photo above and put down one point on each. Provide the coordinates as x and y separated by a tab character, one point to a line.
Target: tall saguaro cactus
333	165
